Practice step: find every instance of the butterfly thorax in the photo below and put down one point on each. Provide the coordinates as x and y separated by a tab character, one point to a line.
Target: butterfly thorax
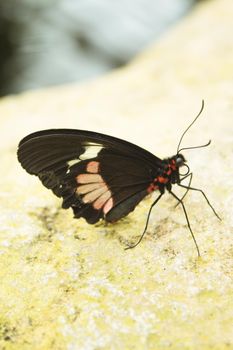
168	174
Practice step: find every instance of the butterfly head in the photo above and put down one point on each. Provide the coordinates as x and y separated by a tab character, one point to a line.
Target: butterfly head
173	167
179	160
171	172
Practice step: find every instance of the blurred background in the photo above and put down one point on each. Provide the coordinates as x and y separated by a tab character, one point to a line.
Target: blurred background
50	42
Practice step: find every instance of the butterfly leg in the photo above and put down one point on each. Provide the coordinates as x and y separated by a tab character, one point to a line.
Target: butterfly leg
188	187
147	221
187	220
204	195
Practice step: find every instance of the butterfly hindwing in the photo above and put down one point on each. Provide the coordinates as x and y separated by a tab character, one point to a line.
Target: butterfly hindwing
98	176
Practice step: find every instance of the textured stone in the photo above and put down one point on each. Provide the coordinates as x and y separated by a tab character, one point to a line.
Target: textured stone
69	285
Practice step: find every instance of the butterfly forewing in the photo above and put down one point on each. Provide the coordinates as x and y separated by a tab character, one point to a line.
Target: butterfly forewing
99	176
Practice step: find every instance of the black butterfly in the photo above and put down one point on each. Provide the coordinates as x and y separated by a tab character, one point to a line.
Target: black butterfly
100	176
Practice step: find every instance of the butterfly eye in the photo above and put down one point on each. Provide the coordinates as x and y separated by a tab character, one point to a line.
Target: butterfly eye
180	160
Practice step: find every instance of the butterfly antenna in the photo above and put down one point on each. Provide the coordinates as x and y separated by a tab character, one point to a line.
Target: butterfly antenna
201	146
182	136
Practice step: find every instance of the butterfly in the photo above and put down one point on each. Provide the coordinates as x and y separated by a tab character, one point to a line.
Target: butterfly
101	176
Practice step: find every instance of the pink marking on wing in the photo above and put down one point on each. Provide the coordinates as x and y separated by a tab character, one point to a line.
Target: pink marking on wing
108	206
92	196
88	178
99	203
83	189
93	167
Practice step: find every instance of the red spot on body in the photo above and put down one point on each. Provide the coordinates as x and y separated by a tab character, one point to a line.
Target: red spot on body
93	167
162	180
173	164
152	188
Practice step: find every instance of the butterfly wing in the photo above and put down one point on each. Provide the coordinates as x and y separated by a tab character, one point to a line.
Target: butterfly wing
97	175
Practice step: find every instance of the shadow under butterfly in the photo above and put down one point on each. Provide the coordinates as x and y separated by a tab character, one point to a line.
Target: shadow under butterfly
104	177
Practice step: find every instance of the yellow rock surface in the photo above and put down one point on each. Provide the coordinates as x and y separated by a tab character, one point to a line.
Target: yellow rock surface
69	285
